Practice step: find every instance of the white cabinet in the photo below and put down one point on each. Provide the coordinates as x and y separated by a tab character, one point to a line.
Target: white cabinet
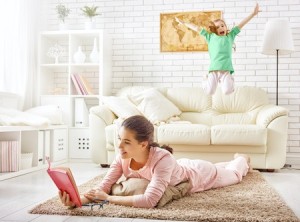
33	146
59	144
79	143
57	77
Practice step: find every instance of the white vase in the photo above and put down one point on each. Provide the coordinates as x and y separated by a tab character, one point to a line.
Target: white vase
56	59
89	24
63	26
94	56
79	56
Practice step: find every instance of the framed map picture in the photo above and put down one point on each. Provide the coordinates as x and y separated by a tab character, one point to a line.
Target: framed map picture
179	38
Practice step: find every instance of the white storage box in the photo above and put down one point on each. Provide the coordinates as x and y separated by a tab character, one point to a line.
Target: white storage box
79	143
59	145
26	160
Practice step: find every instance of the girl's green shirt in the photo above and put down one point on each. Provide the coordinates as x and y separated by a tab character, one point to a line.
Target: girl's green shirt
220	49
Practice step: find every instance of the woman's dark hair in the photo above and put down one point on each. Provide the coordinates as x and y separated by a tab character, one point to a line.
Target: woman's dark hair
144	130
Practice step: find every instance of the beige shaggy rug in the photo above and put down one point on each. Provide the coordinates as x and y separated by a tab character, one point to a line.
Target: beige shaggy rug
251	200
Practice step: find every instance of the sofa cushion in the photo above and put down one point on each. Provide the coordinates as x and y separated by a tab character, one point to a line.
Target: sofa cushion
155	106
235	118
189	99
198	118
243	99
237	134
120	106
192	134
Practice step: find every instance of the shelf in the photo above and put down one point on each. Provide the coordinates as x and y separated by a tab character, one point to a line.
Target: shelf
8	175
57	83
39	142
55	65
94	65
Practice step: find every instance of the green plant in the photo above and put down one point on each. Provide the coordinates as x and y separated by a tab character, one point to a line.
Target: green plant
62	12
90	11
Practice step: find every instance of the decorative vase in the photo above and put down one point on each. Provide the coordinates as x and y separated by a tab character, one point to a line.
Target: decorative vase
79	56
56	59
94	56
89	24
63	26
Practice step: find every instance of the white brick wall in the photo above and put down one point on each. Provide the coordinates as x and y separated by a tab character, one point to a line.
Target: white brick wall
135	24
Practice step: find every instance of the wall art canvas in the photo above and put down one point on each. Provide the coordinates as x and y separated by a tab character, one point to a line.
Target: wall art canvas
178	38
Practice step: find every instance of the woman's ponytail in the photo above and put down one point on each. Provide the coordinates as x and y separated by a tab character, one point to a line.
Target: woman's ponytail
166	147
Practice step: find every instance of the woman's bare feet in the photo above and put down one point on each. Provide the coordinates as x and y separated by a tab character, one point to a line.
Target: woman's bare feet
246	157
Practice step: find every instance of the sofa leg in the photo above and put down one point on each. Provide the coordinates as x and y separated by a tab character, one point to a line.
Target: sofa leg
104	165
270	170
266	170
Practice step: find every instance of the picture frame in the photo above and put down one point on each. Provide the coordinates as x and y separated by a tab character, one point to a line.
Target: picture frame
178	38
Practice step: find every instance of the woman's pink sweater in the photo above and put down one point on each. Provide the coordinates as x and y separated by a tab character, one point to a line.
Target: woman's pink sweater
161	169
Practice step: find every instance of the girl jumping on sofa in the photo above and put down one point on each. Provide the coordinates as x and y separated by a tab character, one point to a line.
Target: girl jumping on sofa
140	157
220	43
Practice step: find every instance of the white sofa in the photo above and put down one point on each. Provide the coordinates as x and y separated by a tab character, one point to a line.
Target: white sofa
206	127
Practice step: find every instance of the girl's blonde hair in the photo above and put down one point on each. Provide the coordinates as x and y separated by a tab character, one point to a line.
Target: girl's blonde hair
213	27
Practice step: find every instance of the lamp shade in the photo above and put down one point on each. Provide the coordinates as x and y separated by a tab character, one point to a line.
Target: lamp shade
277	36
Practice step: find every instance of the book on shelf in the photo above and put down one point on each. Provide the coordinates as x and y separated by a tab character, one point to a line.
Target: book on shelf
81	84
64	181
10	156
76	85
87	87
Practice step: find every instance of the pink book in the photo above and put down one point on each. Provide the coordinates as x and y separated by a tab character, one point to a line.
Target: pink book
4	156
80	84
78	90
64	181
15	156
86	85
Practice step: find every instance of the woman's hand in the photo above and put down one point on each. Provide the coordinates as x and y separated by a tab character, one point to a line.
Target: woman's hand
96	195
65	199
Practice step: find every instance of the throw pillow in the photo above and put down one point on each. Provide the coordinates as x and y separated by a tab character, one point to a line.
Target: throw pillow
121	106
13	117
155	106
52	112
135	186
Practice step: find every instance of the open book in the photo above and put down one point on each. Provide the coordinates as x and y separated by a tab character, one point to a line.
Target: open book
63	179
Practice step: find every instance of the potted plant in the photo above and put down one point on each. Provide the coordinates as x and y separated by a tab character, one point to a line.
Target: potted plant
62	13
90	12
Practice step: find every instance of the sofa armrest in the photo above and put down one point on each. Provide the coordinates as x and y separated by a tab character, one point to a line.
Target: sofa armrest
99	118
275	119
269	113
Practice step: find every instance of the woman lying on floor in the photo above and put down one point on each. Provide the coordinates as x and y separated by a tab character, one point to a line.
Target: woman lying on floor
140	157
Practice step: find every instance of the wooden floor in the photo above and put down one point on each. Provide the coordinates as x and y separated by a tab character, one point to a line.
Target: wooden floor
19	194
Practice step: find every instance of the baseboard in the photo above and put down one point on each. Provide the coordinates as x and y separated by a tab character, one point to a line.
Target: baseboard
77	160
293	160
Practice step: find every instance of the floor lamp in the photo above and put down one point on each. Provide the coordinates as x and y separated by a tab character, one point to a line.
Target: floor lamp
277	41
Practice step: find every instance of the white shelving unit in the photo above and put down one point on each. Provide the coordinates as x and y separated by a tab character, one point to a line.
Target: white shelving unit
56	85
41	143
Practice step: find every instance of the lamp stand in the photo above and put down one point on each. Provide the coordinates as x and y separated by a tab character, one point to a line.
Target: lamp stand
277	50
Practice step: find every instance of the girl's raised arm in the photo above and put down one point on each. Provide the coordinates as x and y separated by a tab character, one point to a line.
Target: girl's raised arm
249	17
189	25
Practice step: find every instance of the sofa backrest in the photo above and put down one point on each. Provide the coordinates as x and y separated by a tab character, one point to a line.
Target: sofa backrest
240	107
